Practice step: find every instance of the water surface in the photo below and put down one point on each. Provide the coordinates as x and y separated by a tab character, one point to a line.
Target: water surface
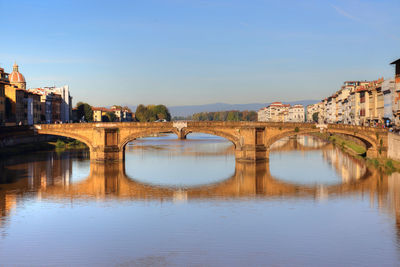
177	203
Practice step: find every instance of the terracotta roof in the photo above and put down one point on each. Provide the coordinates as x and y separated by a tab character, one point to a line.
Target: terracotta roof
101	109
16	77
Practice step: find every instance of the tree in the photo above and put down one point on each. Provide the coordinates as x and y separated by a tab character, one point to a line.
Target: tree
161	112
85	111
152	113
252	116
140	113
111	116
233	116
315	117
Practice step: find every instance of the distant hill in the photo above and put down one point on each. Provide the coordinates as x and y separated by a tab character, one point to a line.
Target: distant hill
190	110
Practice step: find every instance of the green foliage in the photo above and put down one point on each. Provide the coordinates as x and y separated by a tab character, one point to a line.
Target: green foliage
389	166
335	139
152	113
296	129
60	144
69	144
375	162
111	116
315	117
231	115
85	111
105	118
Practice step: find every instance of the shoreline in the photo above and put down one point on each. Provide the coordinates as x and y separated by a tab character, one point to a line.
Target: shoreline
356	150
60	145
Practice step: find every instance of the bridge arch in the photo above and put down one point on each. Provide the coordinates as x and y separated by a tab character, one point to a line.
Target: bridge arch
366	140
145	133
233	139
75	136
271	140
290	144
184	132
369	142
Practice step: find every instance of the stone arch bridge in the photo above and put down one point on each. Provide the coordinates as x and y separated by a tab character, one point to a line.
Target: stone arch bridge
252	140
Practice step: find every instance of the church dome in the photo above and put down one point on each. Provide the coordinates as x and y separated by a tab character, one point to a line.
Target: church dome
15	76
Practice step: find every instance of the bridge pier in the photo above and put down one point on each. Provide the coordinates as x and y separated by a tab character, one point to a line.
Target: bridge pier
252	154
181	135
374	153
106	145
251	146
106	154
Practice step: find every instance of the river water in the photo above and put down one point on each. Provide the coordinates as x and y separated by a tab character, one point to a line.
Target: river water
188	203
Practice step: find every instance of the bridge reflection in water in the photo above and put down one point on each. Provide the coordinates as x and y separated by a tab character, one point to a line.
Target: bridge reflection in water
50	178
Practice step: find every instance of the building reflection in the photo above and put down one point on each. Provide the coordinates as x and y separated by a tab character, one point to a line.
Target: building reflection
349	168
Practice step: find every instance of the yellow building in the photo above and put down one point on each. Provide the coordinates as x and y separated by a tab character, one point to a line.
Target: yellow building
15	93
98	113
21	105
15	98
376	102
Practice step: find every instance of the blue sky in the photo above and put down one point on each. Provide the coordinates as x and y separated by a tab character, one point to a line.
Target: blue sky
180	52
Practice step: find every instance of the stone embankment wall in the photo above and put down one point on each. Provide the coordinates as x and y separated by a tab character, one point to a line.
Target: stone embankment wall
394	146
17	135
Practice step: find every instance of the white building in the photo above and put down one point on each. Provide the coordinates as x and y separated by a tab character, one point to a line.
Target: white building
313	108
330	115
296	113
273	113
264	114
66	100
342	103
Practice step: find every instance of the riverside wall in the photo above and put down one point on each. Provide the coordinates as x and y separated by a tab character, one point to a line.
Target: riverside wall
394	146
18	135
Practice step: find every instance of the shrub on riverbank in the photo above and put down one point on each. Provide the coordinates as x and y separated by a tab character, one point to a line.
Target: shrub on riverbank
387	165
69	144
